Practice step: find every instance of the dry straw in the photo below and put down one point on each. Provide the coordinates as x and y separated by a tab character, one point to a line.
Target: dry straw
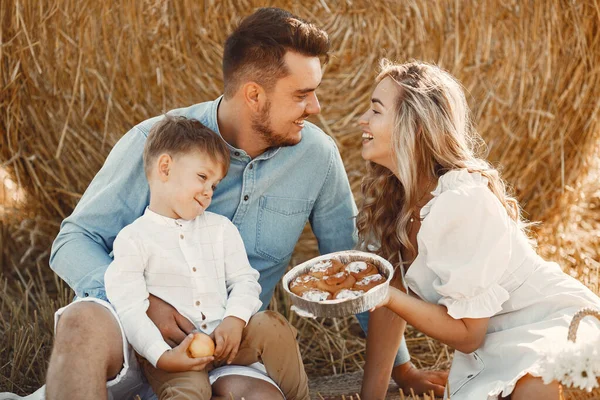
75	75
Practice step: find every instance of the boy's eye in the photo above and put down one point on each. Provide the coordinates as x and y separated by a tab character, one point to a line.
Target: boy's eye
202	176
214	187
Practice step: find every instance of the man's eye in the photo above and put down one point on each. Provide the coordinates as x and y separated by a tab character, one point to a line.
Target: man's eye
303	97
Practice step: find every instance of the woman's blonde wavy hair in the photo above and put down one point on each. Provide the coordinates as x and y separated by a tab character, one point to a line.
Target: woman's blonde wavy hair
432	135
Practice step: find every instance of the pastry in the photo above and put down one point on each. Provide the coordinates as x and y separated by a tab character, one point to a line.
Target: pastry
360	269
303	283
333	283
369	282
348	294
325	267
316	295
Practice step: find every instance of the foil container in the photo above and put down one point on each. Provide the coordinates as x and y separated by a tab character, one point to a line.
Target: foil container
341	307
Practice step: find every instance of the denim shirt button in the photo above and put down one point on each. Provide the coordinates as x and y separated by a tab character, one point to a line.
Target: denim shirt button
251	166
246	197
86	294
237	153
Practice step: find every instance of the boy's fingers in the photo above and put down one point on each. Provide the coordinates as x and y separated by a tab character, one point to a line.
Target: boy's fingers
233	353
185	343
219	345
203	360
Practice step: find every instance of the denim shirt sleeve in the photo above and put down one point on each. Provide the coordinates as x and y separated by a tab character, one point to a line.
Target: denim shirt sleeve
333	216
117	195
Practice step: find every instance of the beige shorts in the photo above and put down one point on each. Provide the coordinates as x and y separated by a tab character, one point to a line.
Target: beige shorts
130	381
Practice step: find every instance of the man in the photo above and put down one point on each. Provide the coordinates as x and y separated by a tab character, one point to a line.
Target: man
284	171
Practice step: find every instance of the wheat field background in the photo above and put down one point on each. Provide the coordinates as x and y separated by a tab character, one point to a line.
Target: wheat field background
75	75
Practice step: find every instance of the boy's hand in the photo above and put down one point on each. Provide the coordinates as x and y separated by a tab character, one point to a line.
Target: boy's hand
177	360
227	337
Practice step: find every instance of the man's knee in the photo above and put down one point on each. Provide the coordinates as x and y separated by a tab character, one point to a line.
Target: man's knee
89	329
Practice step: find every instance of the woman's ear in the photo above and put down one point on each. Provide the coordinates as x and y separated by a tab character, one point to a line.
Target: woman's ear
164	166
254	96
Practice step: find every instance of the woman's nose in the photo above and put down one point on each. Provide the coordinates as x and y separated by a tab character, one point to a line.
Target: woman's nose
363	119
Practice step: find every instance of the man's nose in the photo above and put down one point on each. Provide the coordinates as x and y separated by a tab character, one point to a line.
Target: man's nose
313	106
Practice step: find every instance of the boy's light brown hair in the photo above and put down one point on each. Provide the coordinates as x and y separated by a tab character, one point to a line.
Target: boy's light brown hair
255	49
175	135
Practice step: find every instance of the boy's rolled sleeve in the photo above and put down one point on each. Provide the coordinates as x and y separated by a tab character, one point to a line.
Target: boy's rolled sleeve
241	279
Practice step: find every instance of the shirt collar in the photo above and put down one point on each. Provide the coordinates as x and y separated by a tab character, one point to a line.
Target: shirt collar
213	124
165	221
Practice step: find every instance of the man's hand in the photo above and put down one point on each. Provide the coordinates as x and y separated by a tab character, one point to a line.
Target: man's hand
173	326
227	337
177	359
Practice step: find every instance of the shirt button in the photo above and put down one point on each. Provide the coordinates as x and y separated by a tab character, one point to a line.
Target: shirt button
203	316
246	197
197	302
181	236
237	153
194	269
251	166
204	326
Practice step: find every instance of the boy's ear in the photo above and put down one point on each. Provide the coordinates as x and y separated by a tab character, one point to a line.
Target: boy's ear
164	166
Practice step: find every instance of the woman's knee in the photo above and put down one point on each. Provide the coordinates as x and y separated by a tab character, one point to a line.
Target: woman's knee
532	388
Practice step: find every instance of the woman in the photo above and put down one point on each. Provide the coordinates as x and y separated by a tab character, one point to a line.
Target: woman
443	218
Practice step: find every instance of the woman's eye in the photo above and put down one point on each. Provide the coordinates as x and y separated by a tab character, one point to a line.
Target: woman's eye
375	112
202	176
214	187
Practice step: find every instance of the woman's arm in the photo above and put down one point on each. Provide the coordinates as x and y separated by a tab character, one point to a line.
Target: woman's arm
465	335
386	329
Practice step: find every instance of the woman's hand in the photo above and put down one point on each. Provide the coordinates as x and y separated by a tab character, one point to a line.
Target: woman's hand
177	359
387	299
227	337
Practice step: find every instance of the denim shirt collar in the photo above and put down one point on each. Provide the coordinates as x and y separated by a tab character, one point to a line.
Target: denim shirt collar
212	123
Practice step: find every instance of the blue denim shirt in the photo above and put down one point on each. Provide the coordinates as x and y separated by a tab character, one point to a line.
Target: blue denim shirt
269	199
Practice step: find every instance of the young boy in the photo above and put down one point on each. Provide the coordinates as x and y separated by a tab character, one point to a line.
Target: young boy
195	260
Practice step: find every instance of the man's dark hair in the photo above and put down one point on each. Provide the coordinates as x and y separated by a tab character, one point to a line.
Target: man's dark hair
256	48
177	135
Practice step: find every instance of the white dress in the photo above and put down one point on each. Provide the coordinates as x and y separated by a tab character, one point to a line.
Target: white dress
474	260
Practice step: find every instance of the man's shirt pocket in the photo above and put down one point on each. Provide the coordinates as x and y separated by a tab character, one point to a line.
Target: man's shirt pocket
280	223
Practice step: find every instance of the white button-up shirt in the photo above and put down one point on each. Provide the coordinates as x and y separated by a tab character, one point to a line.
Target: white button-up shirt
200	267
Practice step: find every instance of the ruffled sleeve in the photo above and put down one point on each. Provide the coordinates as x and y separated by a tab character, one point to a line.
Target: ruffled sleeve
465	240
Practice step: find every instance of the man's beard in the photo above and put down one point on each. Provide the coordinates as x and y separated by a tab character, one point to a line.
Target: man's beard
261	125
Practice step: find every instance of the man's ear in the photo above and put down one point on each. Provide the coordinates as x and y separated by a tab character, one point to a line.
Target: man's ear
163	163
254	96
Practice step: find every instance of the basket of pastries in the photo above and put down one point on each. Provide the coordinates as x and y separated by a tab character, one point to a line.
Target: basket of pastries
339	284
